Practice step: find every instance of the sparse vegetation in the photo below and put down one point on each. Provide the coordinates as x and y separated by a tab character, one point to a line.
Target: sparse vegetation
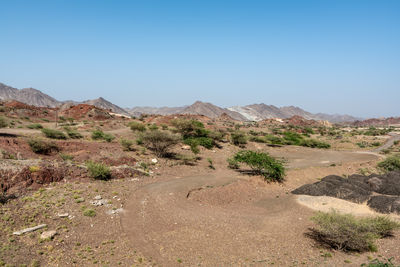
137	126
160	142
89	213
98	170
127	145
42	147
73	134
3	122
100	135
391	163
53	134
238	138
262	163
34	126
348	233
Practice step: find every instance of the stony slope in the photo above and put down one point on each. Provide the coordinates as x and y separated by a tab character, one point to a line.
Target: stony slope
107	105
28	96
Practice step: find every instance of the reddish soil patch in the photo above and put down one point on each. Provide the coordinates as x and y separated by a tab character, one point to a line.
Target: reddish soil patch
85	111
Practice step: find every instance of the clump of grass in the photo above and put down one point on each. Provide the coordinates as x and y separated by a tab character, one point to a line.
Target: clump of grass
127	144
3	122
34	126
74	134
89	213
261	163
53	134
238	138
379	263
348	233
210	164
98	171
99	134
137	126
391	163
66	157
42	147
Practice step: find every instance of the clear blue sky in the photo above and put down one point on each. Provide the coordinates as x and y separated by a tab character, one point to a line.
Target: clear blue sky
325	56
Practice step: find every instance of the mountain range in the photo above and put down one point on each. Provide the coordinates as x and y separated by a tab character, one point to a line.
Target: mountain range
255	112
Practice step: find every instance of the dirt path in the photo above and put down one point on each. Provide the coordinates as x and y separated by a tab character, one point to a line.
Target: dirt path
390	142
226	219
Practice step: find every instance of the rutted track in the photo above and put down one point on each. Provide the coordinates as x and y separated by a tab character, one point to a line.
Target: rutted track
244	223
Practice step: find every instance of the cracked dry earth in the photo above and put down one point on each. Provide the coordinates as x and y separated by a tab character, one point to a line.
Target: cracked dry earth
223	218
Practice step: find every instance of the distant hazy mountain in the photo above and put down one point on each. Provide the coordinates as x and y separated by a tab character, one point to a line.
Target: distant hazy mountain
28	96
211	111
107	105
262	111
35	97
255	112
137	111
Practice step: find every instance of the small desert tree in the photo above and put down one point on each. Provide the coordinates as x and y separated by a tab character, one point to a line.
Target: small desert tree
261	163
160	141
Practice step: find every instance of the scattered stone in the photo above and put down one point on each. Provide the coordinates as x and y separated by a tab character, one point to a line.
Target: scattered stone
31	229
63	215
154	160
97	197
115	211
48	234
100	202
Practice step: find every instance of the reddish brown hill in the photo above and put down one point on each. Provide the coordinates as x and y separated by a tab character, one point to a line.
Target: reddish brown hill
378	122
85	111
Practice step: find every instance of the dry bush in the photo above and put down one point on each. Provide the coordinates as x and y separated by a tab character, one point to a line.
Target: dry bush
160	141
348	233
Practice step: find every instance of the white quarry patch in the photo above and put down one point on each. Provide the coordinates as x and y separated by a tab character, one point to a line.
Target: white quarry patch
245	113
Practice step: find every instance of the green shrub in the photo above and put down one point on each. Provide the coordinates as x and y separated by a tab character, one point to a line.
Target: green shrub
42	147
346	232
108	137
66	157
314	143
391	163
137	126
34	126
238	138
73	133
160	141
89	213
232	164
210	163
153	127
127	145
3	122
262	163
200	141
98	171
190	128
53	134
99	134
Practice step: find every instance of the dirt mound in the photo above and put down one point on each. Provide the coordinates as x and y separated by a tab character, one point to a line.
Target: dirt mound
85	111
382	192
15	109
34	176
